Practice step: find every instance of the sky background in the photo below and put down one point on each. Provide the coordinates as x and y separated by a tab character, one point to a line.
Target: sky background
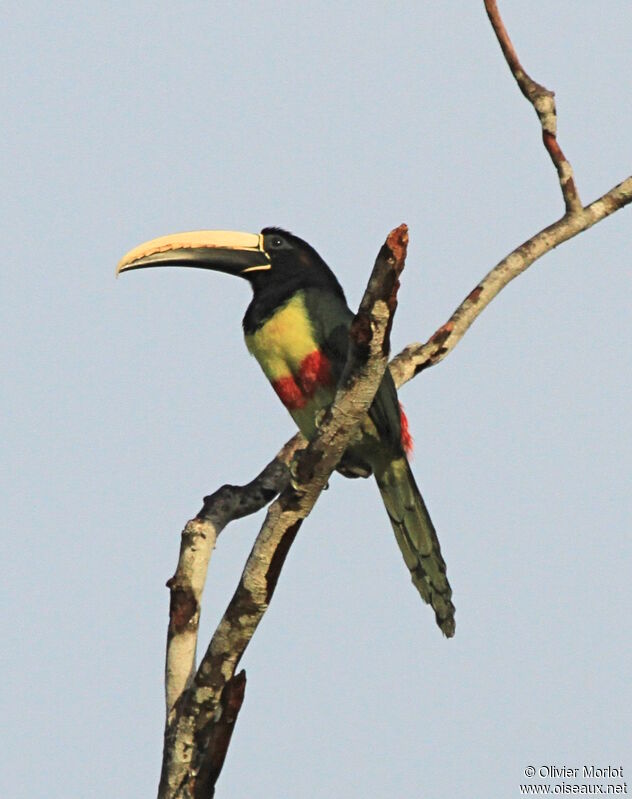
126	401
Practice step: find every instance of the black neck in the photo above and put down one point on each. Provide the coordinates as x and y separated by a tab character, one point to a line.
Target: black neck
272	295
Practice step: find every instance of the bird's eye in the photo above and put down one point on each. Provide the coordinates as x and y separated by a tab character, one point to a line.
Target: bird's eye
276	241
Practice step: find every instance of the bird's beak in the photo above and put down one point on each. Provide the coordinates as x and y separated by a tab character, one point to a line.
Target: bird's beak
220	250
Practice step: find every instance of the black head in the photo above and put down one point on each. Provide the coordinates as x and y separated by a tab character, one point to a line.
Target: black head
293	264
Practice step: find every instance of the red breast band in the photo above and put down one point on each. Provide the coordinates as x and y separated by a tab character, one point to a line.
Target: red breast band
315	371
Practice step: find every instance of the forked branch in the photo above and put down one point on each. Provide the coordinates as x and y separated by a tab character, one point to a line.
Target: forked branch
416	357
202	706
198	541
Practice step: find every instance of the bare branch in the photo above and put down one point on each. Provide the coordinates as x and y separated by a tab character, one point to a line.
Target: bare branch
198	541
416	357
543	100
197	732
202	708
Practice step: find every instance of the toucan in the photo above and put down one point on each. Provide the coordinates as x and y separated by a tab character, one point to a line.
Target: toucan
297	327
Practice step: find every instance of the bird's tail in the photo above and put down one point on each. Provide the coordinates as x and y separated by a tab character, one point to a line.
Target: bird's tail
417	539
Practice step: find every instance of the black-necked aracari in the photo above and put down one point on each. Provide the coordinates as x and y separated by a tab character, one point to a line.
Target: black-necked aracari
297	327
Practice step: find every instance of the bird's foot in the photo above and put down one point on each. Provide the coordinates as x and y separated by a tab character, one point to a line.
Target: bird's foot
318	418
352	467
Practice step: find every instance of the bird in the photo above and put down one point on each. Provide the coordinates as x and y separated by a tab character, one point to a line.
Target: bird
297	327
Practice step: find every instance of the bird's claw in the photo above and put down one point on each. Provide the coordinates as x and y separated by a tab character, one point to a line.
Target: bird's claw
318	418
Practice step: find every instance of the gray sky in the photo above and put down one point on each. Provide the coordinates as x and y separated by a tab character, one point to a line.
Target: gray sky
129	400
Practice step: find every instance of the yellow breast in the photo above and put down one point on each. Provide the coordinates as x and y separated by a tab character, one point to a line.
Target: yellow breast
284	340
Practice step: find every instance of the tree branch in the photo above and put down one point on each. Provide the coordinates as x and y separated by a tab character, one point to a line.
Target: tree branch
543	101
198	541
202	707
198	729
416	357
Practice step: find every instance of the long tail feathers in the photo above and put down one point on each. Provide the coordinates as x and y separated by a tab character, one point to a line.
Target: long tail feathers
417	539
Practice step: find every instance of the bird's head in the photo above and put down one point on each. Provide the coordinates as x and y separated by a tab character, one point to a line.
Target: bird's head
272	258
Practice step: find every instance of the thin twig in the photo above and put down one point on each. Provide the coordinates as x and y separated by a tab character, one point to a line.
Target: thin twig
543	100
416	357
